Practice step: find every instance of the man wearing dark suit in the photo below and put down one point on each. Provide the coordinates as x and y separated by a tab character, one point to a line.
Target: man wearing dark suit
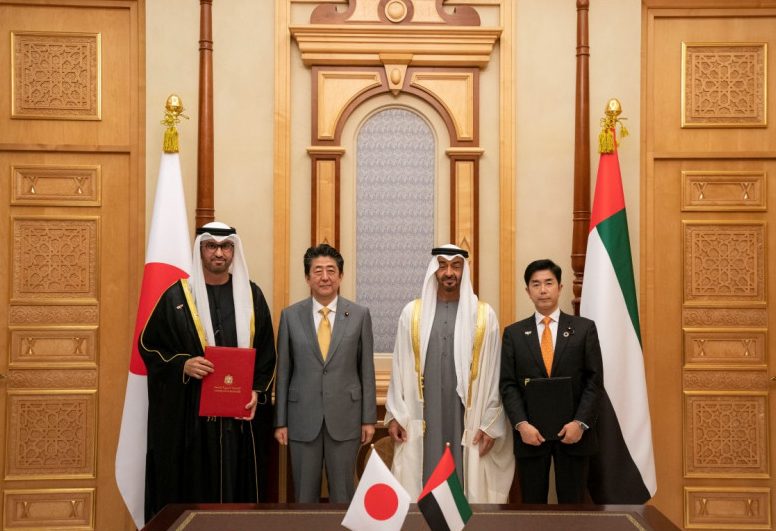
325	390
553	344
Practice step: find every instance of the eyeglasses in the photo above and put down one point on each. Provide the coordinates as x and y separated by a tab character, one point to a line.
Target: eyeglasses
211	246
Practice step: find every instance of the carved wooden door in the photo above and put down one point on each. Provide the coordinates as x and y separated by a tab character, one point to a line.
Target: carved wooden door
71	203
708	217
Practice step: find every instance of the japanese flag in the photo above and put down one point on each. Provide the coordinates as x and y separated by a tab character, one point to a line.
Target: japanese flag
168	259
380	502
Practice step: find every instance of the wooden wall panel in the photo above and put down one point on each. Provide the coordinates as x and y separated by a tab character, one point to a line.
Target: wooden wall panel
71	217
106	125
707	220
722	28
729	508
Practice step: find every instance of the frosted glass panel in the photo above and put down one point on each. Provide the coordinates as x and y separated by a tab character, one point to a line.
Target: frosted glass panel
394	215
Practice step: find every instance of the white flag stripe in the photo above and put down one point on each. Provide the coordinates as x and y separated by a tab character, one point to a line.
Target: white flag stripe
169	218
132	448
622	357
446	502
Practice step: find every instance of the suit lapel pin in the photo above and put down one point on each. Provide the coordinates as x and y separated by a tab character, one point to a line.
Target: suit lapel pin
528	332
347	314
569	332
179	307
566	333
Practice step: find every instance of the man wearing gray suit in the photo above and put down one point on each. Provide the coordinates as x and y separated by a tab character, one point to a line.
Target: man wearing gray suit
325	391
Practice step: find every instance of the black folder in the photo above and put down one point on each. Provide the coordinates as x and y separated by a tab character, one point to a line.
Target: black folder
550	404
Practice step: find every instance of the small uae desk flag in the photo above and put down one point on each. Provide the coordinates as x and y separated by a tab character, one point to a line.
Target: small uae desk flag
442	501
380	502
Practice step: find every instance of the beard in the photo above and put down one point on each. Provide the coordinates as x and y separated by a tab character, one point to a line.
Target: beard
217	267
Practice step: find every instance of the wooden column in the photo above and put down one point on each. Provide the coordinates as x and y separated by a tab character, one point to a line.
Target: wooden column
205	205
325	194
464	203
581	215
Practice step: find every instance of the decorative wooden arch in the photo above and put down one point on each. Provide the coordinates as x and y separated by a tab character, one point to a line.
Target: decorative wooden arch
375	47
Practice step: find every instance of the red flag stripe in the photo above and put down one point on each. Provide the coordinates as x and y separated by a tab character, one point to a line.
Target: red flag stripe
609	197
443	470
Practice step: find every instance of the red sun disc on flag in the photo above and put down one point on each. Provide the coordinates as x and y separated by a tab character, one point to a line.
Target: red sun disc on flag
381	501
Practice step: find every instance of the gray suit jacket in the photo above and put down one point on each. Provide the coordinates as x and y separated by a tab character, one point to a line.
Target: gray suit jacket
340	390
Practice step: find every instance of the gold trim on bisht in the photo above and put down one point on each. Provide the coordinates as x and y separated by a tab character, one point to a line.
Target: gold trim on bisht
479	337
416	345
172	114
607	141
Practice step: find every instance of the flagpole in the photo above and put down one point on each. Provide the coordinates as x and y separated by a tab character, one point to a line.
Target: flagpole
581	214
205	159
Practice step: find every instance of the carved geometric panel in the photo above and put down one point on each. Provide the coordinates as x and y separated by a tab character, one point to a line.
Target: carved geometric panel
723	190
394	12
724	317
51	435
54	258
52	379
49	509
723	379
55	75
727	508
55	185
53	347
724	262
724	84
725	434
738	348
28	314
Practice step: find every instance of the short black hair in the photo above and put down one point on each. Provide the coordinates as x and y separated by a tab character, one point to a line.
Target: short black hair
322	249
545	264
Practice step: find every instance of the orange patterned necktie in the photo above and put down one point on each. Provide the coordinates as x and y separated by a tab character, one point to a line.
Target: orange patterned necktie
324	332
547	349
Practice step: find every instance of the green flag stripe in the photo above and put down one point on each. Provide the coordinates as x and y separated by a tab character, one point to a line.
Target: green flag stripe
460	500
614	235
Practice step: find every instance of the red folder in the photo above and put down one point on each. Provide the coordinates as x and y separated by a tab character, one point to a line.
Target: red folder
226	390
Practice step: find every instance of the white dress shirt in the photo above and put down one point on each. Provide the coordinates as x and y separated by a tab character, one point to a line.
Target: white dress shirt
317	316
553	325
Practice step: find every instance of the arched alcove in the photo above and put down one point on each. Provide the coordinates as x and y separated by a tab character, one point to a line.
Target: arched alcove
395	186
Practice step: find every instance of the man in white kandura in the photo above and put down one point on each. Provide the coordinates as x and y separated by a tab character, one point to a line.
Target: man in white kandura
444	385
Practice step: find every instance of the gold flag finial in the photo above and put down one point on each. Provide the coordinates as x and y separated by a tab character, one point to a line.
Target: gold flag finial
606	138
172	114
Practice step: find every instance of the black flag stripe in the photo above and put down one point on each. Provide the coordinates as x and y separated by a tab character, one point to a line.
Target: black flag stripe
432	513
614	477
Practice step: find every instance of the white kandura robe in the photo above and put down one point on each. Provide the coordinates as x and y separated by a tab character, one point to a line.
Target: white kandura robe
488	479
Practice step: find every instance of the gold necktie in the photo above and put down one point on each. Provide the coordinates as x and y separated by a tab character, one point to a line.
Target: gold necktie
547	349
324	332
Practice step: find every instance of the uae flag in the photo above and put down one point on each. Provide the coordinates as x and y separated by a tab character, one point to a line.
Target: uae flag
380	502
442	501
623	471
168	259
